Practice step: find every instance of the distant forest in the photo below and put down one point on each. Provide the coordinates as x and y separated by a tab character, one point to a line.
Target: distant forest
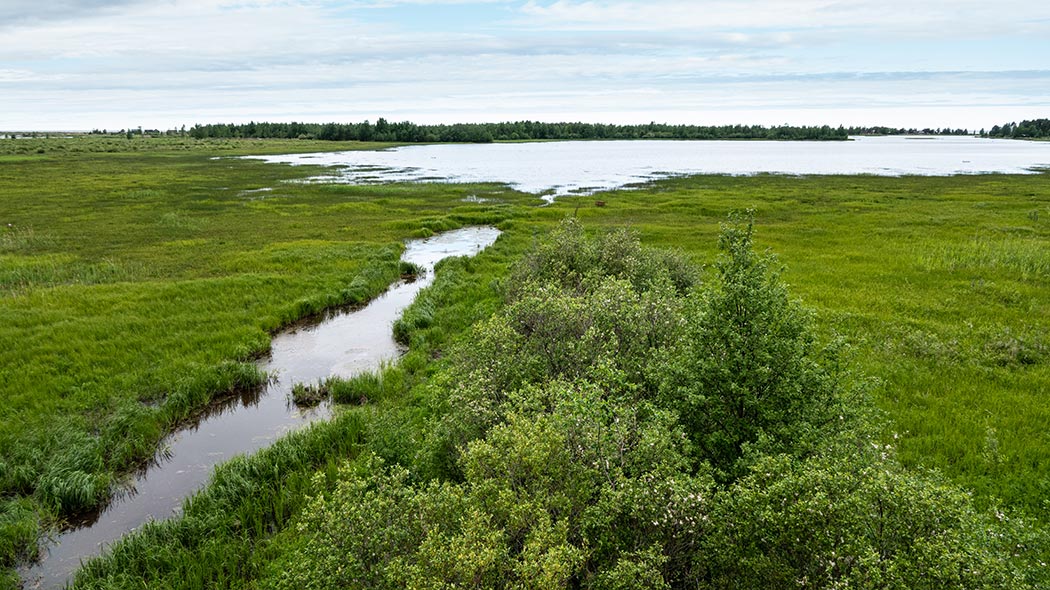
1038	128
382	130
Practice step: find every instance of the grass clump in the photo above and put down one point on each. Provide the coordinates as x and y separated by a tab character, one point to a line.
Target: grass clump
309	395
18	532
369	386
358	390
410	270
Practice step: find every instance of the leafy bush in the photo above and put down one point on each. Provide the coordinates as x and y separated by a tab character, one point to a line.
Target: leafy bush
570	259
747	371
859	520
593	485
564	320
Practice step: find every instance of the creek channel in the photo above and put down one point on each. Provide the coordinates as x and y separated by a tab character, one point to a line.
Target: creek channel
344	343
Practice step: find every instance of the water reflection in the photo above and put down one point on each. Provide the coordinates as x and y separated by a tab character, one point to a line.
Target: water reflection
584	167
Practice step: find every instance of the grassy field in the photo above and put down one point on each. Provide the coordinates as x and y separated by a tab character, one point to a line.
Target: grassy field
136	286
136	283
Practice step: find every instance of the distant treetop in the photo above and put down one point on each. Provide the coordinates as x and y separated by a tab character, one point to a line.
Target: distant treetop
1034	129
408	132
382	130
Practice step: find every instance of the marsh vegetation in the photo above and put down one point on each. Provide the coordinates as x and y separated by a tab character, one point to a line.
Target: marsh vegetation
138	285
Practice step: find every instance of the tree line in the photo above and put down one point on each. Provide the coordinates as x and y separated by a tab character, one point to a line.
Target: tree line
1037	128
383	130
408	132
883	130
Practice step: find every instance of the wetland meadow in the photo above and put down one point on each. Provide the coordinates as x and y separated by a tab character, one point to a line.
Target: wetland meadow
565	411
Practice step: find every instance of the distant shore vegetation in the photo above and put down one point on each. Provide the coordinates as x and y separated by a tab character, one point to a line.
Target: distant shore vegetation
1034	129
408	132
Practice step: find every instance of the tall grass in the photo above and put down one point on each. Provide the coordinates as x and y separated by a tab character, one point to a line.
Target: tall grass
24	272
1024	258
138	285
18	533
228	534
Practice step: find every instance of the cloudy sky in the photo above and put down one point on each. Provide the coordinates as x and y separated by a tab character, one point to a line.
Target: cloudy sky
83	64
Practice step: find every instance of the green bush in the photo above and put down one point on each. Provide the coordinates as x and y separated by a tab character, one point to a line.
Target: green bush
748	371
858	520
569	258
609	324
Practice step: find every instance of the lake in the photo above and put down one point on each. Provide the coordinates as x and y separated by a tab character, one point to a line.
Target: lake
582	167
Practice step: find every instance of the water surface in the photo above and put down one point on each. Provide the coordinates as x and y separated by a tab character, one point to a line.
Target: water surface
344	343
567	167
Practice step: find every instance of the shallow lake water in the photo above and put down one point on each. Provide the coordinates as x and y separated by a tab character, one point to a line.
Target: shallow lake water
344	343
568	167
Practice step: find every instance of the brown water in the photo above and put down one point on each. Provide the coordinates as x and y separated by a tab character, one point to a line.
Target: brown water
342	344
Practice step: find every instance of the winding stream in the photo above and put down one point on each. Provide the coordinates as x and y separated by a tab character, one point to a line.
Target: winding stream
343	344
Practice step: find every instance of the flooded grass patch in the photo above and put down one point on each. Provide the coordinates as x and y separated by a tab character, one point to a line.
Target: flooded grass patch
308	395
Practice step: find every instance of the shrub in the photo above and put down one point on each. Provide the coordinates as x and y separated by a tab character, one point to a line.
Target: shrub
859	520
569	259
747	371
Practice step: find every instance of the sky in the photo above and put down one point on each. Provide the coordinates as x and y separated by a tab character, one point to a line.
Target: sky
114	64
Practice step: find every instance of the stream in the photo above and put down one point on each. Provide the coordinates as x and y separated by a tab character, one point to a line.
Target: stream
344	343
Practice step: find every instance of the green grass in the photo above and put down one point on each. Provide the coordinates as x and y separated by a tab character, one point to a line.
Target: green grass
238	524
135	287
214	543
136	284
940	284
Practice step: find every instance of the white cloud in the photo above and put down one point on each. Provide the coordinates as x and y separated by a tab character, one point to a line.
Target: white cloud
24	76
928	17
19	12
169	62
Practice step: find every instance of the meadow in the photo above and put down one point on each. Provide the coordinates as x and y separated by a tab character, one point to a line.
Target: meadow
138	286
139	279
